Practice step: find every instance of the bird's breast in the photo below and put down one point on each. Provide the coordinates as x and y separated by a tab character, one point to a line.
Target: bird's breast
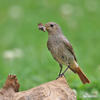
57	49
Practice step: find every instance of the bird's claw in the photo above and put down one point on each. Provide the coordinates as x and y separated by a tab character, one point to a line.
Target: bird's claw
61	75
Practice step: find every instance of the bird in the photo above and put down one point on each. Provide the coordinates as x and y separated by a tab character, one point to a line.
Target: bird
62	51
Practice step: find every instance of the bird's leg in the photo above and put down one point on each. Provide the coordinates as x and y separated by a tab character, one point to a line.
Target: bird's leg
60	69
65	71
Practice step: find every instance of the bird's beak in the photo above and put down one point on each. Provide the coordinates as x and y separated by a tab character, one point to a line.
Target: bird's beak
46	26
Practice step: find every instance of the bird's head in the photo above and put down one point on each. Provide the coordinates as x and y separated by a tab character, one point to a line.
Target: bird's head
52	28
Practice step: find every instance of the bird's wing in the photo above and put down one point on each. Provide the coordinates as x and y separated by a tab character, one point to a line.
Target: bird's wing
69	47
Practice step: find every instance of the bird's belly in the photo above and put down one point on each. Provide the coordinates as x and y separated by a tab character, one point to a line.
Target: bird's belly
60	54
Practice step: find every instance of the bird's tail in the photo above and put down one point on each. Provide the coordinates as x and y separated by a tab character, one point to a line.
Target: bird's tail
82	76
76	69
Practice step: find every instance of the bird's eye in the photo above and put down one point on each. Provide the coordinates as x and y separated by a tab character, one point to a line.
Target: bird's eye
51	25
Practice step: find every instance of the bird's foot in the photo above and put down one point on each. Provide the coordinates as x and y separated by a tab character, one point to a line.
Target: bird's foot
61	75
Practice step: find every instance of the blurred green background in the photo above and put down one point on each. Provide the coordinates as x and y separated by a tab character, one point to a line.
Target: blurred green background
23	48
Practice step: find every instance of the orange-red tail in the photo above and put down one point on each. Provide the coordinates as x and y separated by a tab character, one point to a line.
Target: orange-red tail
82	76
